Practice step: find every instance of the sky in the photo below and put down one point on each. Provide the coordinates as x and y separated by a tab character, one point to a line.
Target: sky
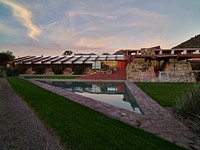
50	27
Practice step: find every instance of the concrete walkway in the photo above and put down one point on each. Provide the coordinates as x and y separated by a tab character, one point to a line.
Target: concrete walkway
20	129
155	119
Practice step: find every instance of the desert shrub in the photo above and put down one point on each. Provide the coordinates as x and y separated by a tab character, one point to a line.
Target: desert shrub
2	71
15	71
38	70
9	72
12	71
189	102
196	124
20	69
58	71
188	105
78	70
197	76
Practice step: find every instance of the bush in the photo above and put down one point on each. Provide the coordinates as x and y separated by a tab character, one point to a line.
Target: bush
20	69
196	124
38	70
12	72
197	75
188	105
189	102
58	71
78	70
9	72
2	71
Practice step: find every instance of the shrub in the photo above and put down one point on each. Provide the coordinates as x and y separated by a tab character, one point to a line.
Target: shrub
2	71
188	105
15	71
20	69
11	72
197	76
38	70
8	72
58	71
189	102
78	70
196	124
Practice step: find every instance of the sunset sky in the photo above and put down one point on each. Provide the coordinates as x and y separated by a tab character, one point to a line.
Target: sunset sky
49	27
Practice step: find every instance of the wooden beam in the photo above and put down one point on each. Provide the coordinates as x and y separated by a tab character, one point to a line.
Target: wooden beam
21	58
106	57
49	59
16	61
29	60
96	58
67	59
77	59
34	61
86	59
57	60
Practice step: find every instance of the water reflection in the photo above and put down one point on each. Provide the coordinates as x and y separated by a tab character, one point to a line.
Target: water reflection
114	93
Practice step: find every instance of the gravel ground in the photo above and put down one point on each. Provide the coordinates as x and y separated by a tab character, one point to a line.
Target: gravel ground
20	129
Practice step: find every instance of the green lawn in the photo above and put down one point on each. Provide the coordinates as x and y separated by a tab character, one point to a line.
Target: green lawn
164	93
79	127
51	77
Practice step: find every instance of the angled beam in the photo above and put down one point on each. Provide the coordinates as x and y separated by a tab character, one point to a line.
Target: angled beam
52	62
29	60
77	59
49	59
86	59
34	61
20	58
96	58
24	59
106	57
67	59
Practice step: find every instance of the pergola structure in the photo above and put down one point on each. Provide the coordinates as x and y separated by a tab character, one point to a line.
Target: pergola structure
63	62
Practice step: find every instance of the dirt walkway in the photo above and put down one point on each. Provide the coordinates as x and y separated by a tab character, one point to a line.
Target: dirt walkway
19	127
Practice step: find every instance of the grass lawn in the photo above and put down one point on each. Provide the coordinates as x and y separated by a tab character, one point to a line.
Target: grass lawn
164	93
79	127
51	77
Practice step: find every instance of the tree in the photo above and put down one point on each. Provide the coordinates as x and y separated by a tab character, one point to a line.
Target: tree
6	56
68	52
105	54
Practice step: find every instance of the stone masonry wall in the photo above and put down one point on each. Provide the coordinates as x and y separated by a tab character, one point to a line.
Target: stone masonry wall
180	72
144	72
140	72
29	70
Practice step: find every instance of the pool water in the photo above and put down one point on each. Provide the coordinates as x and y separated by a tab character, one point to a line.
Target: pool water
114	93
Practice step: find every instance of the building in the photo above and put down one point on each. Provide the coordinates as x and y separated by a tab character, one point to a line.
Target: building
87	64
144	65
163	65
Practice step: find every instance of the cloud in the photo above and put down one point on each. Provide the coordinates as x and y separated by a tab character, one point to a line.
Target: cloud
56	23
93	14
24	16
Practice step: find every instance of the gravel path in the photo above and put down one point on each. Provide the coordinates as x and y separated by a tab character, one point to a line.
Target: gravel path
20	129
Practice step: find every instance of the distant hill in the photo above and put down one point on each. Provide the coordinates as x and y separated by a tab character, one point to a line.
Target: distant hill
194	42
119	52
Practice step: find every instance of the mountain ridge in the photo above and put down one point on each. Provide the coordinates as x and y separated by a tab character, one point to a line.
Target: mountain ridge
193	42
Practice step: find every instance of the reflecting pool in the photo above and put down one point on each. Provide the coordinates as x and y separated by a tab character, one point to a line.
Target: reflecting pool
114	93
